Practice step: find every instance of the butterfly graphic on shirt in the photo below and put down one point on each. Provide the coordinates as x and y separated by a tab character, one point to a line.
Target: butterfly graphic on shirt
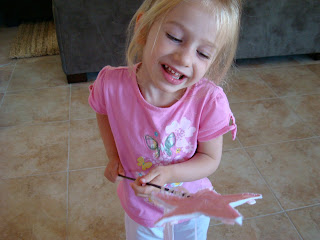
165	148
144	165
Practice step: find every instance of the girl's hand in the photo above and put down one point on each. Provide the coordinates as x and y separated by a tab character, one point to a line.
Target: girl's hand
157	175
114	168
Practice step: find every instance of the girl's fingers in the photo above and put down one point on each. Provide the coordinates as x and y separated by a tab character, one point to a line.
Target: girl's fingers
143	195
150	176
112	170
141	189
120	169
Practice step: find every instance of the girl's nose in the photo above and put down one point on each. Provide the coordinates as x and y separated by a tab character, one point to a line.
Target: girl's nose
183	57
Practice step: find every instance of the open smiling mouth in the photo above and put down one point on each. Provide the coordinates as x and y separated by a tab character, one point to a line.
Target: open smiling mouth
174	74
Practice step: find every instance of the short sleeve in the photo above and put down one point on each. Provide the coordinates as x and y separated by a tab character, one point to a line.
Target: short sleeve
97	97
216	119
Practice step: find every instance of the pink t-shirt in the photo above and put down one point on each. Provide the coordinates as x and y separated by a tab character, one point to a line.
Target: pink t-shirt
147	136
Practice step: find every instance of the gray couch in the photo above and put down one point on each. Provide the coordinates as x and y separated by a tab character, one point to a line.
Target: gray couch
91	34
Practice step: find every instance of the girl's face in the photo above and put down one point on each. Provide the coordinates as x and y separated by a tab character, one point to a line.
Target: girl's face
179	49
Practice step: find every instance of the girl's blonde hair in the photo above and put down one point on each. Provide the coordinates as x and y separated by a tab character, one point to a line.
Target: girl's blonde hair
227	13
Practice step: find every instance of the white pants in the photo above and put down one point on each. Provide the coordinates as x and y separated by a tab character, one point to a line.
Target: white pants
194	229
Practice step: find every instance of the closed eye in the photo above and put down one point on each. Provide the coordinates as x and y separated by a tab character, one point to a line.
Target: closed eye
173	38
203	55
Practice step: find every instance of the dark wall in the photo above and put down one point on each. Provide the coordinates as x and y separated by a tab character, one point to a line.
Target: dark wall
14	12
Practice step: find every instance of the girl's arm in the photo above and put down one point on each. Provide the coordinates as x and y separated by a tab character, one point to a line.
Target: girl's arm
114	165
202	164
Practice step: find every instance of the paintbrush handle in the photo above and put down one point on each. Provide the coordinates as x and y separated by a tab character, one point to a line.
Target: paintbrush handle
157	186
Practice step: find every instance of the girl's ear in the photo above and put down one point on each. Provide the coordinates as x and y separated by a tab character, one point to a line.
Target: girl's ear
138	21
141	37
138	18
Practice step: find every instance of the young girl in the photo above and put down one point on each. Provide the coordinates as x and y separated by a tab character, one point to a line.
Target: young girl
160	118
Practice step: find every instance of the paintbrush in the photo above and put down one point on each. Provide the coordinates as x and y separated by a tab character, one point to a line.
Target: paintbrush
157	186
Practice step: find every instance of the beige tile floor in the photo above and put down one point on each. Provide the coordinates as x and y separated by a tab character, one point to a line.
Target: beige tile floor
52	159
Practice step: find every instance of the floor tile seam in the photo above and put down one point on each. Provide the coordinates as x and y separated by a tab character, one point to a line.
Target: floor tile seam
5	65
304	207
34	89
300	95
68	162
301	119
28	124
274	98
268	86
52	173
263	178
278	142
279	203
6	89
294	226
34	175
285	96
254	100
82	119
86	169
231	149
255	217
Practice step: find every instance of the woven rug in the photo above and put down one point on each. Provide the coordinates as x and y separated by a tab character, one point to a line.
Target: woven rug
34	40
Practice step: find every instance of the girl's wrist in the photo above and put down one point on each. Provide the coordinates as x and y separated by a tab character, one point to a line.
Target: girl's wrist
113	159
170	175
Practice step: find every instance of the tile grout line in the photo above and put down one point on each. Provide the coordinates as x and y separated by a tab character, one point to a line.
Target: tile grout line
299	208
268	144
5	92
293	225
25	124
272	191
36	89
33	175
250	218
83	119
279	142
272	214
68	164
288	106
86	169
52	173
268	86
260	174
301	119
5	65
272	98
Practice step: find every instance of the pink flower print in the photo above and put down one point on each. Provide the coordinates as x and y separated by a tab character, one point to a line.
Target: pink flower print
188	148
156	162
177	159
182	131
165	158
